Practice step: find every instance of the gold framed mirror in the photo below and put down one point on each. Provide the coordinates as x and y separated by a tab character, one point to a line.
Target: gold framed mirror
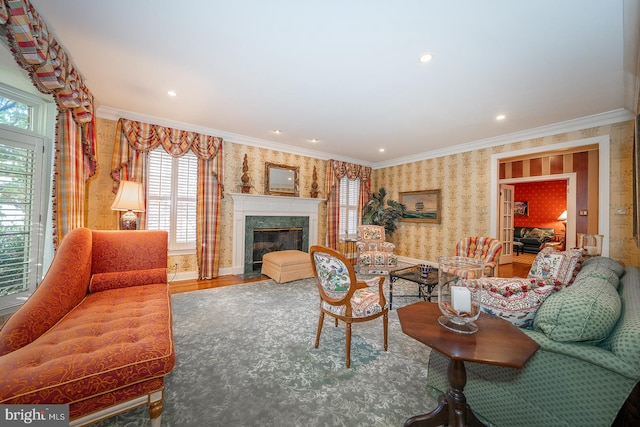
280	180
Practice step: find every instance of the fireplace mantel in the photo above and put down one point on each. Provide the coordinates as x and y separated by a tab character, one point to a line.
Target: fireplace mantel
260	205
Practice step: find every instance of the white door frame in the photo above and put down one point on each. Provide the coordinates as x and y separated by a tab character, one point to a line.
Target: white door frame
604	168
571	179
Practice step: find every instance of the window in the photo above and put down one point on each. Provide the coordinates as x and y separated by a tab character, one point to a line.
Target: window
27	128
21	164
171	198
14	113
349	196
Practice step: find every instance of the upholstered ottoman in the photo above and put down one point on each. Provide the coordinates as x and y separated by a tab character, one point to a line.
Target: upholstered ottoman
285	266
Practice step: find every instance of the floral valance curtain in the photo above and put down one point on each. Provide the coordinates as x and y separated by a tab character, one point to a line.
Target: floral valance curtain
133	142
38	52
336	171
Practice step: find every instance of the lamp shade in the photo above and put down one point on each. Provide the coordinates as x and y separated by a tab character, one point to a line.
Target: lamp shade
563	216
130	197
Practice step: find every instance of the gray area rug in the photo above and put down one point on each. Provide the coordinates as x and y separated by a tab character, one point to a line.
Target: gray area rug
245	357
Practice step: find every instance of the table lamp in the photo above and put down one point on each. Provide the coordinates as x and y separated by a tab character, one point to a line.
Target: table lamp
129	198
563	218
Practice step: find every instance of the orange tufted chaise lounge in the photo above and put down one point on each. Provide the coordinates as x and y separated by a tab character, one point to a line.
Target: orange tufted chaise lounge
97	332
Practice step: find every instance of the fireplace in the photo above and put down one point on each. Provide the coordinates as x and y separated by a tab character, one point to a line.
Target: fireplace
264	234
267	240
252	211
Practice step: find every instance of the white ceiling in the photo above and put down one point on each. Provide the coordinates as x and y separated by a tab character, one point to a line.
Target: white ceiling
347	72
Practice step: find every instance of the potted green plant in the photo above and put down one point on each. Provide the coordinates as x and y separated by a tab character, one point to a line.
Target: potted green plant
378	211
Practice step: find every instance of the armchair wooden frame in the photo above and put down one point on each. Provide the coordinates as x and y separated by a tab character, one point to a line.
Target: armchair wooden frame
345	299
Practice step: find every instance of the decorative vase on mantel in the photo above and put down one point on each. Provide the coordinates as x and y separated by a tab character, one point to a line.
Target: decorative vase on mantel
245	177
314	185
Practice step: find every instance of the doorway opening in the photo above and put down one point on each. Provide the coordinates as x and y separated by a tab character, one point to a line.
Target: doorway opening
600	175
567	231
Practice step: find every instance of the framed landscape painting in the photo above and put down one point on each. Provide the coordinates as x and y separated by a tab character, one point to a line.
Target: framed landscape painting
422	206
521	208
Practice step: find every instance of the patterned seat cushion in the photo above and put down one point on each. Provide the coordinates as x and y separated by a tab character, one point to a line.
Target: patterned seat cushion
378	259
112	340
555	267
516	300
363	303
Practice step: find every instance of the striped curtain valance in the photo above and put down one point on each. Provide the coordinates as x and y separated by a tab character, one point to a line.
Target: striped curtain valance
339	169
39	53
134	136
336	170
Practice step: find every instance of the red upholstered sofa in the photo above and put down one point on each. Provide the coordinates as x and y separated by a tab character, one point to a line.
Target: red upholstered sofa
97	332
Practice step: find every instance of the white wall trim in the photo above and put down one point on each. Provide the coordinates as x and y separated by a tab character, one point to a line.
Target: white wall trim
607	118
115	114
615	116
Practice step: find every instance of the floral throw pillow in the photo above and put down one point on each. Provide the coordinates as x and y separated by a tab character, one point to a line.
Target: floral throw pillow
516	300
556	267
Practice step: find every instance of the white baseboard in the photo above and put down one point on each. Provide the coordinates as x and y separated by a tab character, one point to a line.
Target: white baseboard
193	275
408	260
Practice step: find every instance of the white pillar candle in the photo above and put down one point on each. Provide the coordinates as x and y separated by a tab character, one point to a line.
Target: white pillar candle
461	299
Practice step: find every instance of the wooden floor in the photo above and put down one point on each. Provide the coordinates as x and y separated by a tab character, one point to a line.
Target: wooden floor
505	270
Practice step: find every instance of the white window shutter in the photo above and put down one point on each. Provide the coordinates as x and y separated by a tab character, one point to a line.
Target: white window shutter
171	197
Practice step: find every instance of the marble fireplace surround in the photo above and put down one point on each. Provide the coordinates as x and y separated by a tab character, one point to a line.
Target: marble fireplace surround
245	205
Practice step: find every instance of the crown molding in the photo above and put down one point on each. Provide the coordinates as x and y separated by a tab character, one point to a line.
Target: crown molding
615	116
115	114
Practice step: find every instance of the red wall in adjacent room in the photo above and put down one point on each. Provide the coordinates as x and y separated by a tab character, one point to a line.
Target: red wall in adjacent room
547	200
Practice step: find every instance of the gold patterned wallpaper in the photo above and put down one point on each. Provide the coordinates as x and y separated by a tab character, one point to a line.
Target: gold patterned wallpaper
464	179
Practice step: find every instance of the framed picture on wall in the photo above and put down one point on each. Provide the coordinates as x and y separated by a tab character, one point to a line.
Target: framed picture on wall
521	208
422	206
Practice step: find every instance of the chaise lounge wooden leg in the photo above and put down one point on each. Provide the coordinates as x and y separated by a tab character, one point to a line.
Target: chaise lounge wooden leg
155	408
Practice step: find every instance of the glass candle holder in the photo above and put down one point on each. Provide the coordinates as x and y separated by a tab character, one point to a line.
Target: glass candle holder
460	281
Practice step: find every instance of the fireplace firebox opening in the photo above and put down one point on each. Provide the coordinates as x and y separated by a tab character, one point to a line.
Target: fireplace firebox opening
267	240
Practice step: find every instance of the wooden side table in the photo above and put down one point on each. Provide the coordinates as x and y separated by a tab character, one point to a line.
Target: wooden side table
497	342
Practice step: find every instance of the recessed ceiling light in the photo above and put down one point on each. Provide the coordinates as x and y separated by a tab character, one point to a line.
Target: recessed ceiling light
426	58
501	117
172	93
277	131
313	140
381	150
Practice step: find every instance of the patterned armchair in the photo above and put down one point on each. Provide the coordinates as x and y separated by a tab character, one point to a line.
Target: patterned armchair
345	298
375	255
486	249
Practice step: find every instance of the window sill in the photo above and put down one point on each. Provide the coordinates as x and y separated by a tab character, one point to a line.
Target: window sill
181	252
